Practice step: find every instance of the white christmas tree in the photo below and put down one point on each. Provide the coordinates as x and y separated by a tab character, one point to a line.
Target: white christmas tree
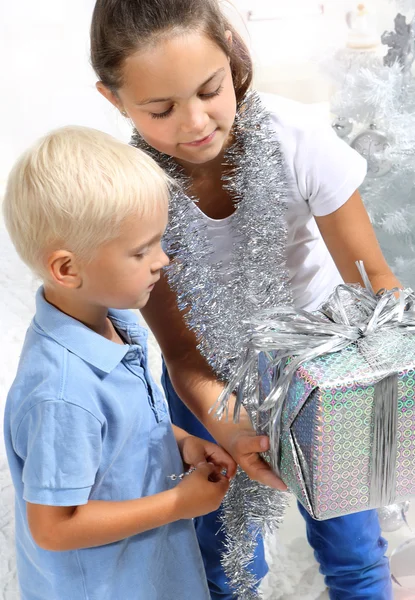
375	108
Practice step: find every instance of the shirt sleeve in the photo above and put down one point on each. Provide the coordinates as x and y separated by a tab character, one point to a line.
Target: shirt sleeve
328	171
60	444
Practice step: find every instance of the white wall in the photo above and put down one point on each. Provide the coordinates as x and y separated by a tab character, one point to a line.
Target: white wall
46	80
287	51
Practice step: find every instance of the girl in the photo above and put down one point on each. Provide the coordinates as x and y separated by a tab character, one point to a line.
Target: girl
269	184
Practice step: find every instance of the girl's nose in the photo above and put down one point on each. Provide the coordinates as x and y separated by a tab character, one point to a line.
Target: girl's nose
195	119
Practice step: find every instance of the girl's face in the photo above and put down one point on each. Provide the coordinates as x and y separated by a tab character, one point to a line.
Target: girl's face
180	96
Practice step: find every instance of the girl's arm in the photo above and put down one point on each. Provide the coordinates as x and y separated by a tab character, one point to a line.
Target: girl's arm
198	387
349	236
99	522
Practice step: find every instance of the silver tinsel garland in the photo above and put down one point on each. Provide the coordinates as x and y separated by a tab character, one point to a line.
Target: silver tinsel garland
219	308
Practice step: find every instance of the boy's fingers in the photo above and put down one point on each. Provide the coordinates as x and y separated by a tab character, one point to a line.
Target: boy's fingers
206	468
222	458
220	481
213	474
198	457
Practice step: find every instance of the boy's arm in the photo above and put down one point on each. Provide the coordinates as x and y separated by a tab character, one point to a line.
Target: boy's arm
61	446
99	522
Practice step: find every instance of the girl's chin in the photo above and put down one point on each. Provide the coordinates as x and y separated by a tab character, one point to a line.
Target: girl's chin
200	155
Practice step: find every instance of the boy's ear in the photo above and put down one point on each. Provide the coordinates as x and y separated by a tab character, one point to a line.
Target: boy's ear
64	270
108	95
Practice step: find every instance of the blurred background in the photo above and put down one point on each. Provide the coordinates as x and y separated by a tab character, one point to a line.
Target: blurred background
47	82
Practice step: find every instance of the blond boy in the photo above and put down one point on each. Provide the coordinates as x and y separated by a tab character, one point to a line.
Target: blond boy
88	438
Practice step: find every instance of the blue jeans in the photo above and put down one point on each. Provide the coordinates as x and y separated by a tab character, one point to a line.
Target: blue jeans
349	550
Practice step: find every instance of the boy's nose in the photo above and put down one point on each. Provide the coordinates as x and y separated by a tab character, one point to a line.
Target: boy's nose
166	260
162	262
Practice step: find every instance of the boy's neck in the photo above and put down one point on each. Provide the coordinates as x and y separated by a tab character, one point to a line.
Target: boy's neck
94	317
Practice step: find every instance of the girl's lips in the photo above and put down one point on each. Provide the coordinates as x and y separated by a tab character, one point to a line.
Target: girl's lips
203	141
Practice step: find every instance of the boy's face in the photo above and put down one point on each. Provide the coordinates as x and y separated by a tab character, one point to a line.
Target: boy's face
125	270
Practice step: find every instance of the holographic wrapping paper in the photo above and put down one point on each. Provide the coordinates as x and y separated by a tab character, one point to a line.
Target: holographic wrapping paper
327	432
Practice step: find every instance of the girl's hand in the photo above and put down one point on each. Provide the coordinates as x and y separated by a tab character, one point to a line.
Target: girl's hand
245	446
201	492
194	451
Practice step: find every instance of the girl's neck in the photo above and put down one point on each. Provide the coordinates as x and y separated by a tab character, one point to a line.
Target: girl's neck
213	199
206	184
199	172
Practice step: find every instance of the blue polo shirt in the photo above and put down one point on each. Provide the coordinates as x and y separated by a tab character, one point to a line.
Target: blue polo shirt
84	420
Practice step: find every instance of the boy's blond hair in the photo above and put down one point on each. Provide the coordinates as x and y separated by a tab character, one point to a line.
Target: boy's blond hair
73	189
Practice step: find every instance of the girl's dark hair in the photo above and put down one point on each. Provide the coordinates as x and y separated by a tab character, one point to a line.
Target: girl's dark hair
122	27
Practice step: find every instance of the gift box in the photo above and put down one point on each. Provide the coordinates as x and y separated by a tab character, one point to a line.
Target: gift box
328	434
340	411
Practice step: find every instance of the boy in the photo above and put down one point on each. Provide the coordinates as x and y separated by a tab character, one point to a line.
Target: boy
88	439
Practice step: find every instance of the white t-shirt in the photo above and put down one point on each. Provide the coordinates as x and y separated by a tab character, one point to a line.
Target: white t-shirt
326	172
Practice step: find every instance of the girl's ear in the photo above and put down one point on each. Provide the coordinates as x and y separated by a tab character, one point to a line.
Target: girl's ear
229	37
108	95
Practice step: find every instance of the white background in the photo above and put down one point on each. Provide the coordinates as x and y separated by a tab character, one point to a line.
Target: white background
46	80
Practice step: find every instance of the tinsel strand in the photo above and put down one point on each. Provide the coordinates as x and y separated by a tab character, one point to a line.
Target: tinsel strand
219	308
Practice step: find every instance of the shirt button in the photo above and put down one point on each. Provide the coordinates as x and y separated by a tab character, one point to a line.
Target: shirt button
134	353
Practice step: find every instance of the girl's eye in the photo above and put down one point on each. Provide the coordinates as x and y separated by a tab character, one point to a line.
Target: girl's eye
162	115
212	94
168	112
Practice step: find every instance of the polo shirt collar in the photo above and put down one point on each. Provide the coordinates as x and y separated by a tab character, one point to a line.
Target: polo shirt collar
80	339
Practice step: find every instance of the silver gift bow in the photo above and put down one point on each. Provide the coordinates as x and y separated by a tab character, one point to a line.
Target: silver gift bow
352	315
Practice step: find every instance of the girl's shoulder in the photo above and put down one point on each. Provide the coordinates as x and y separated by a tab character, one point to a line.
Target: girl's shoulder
326	170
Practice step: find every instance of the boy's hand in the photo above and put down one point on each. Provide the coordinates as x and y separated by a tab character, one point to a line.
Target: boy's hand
195	450
201	492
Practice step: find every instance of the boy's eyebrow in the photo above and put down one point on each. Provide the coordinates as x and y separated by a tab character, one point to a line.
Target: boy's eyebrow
140	248
151	100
